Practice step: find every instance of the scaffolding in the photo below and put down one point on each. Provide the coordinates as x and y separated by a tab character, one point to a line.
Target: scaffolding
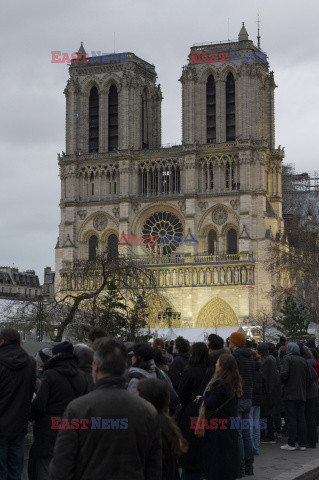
302	181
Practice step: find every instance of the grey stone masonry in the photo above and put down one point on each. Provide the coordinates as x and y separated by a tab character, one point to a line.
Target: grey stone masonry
254	91
135	80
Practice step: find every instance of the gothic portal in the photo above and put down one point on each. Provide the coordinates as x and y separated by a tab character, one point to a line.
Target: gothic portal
210	207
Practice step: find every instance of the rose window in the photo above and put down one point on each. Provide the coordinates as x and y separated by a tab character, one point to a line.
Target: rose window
162	233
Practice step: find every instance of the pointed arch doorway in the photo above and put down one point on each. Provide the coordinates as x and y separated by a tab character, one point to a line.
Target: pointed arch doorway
216	313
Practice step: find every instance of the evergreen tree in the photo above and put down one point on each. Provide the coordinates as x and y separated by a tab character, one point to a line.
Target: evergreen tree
295	319
137	325
113	312
127	324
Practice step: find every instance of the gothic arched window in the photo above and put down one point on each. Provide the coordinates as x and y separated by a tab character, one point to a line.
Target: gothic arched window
112	247
94	120
211	109
230	108
113	125
144	120
93	243
232	242
212	242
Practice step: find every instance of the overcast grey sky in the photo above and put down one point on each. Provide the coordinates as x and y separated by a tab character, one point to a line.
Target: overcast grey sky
33	104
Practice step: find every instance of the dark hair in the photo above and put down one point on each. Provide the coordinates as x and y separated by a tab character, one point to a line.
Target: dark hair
229	374
215	342
159	343
110	355
158	358
11	336
144	353
157	393
97	332
182	344
304	351
314	352
199	355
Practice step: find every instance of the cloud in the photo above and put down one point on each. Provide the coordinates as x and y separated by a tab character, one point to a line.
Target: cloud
32	121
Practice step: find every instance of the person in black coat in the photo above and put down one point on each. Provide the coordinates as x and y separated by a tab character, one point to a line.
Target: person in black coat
84	358
193	382
157	393
181	355
62	382
17	384
256	402
295	375
246	368
271	400
220	453
311	398
122	438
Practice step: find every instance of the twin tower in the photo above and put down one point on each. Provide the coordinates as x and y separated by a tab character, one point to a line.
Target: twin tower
221	186
114	104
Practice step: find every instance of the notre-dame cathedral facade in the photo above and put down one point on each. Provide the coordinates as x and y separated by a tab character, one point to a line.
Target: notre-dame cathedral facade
221	187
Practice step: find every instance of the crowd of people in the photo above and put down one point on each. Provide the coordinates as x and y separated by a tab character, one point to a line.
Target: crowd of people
161	411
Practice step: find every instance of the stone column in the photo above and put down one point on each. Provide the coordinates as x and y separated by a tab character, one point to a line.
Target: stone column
220	111
103	121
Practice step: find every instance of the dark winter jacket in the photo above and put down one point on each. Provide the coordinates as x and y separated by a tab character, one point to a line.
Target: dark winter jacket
169	461
17	384
258	385
193	383
62	382
114	451
312	390
177	367
220	453
296	378
245	362
271	400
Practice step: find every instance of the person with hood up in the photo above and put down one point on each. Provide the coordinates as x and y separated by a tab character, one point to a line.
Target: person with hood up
62	382
246	367
295	376
17	384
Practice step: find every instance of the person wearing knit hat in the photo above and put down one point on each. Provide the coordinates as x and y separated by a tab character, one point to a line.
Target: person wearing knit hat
238	339
246	367
43	355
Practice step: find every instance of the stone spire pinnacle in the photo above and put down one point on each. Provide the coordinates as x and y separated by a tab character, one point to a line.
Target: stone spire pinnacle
243	34
81	49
